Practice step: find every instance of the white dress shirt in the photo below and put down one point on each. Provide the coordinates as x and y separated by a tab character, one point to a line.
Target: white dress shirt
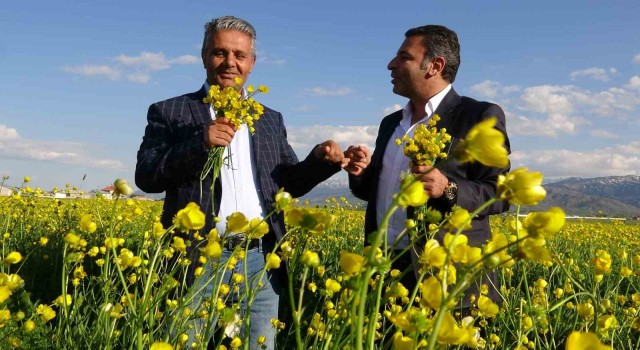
394	164
238	178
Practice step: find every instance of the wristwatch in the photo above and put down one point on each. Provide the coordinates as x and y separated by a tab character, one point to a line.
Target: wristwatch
450	193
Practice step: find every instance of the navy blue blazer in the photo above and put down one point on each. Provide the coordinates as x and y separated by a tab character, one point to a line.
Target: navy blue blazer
476	182
173	153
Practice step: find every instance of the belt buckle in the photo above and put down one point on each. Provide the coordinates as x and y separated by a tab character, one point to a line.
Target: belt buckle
234	241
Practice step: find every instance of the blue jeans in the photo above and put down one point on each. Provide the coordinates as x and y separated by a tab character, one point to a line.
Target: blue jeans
264	306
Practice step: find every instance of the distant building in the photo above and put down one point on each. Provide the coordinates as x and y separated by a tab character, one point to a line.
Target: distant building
5	191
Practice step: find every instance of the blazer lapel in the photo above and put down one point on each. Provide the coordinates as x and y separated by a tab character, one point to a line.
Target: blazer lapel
385	134
449	111
200	110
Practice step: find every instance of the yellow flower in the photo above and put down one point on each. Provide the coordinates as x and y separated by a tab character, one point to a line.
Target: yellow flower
606	322
585	310
5	293
485	144
450	332
236	343
487	307
315	222
432	294
212	250
113	242
351	263
258	228
72	239
45	312
433	254
310	258
13	258
585	341
545	223
43	241
411	193
87	225
401	342
26	179
179	245
273	261
189	218
63	300
427	143
5	316
159	345
128	259
458	220
158	230
602	262
122	187
29	325
332	286
237	223
283	200
521	187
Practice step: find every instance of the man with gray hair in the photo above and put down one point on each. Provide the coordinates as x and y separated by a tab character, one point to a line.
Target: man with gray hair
174	149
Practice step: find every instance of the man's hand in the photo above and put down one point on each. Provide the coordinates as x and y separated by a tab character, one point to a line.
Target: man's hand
331	152
359	158
219	133
433	181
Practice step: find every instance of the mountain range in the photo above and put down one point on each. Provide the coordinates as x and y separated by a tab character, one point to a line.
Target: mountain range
611	196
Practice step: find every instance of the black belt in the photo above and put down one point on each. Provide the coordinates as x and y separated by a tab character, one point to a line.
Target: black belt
233	241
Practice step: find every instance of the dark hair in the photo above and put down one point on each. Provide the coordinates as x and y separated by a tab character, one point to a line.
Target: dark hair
439	41
228	23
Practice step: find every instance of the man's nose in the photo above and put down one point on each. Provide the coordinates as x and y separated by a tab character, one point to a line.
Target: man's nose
230	61
392	64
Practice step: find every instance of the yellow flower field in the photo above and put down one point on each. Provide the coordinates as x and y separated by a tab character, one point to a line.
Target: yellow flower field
94	273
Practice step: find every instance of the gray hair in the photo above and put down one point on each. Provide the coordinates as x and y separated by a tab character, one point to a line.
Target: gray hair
228	23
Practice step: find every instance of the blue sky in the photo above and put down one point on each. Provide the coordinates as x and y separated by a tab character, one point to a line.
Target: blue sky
77	77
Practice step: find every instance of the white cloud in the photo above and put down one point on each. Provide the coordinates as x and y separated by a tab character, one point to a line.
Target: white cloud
634	83
320	91
594	73
264	58
155	60
389	110
557	104
139	77
112	73
610	161
636	58
13	146
605	134
302	139
492	89
487	88
143	64
304	108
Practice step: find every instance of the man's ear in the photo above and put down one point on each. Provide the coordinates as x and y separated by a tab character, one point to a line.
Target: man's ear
437	65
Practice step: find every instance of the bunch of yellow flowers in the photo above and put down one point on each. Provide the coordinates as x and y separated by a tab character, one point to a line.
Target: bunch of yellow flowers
427	144
229	103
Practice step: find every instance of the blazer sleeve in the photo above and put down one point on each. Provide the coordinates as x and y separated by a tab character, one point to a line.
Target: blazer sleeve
298	178
169	153
477	182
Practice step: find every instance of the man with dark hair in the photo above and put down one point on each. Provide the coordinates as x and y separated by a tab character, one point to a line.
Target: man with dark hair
175	146
422	70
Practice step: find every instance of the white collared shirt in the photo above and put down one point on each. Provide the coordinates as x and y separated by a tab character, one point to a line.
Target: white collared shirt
238	178
394	163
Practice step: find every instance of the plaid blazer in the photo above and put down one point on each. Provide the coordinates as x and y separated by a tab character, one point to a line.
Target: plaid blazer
173	153
476	182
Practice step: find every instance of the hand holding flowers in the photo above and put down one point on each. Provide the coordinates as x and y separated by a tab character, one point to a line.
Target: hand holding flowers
232	110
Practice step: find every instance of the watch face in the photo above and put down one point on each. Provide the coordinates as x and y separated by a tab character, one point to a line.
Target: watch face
451	191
